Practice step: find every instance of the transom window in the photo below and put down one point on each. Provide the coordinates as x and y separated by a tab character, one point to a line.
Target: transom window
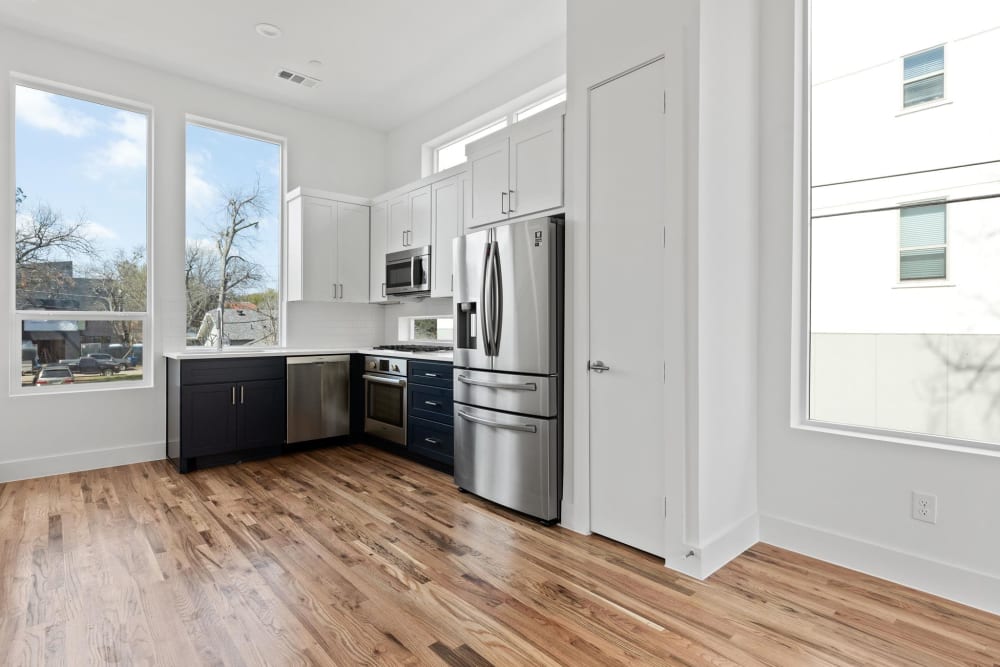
923	77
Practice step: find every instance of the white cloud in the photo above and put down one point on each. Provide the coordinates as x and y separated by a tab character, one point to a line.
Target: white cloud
201	195
127	147
42	110
97	231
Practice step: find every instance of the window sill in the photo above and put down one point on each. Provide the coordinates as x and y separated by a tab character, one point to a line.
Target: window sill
913	284
64	390
939	443
906	111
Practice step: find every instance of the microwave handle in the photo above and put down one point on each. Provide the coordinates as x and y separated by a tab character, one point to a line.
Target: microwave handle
413	271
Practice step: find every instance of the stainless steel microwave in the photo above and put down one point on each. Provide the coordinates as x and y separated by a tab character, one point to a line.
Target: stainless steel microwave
408	272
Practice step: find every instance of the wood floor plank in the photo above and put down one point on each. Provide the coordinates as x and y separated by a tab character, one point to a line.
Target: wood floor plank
355	556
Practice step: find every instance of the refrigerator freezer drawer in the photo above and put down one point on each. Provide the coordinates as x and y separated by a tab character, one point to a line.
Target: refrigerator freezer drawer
527	394
509	459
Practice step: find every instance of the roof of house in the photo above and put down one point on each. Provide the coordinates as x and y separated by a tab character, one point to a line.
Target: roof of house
240	327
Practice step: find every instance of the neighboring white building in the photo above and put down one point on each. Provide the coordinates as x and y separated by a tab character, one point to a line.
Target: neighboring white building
905	254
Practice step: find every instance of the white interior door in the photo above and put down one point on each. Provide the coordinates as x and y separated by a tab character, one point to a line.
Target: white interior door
627	218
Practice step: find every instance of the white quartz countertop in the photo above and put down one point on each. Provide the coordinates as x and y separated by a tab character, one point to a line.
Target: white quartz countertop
239	353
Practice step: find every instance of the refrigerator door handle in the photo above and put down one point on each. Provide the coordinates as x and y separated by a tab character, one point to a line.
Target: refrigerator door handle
527	386
482	301
498	301
526	428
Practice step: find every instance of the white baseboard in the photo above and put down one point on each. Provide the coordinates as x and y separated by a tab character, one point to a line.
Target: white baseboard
92	459
710	557
976	589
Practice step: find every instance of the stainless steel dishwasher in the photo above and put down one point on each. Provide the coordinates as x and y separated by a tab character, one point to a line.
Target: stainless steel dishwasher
318	396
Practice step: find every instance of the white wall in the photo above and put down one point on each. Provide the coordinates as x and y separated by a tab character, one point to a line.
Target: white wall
404	144
711	291
847	499
56	433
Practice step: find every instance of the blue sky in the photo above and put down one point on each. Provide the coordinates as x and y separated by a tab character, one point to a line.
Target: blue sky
88	161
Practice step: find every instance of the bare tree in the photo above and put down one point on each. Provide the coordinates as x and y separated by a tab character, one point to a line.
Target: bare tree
243	212
201	280
119	284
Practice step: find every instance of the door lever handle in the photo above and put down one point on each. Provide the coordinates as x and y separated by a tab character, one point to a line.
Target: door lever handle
598	366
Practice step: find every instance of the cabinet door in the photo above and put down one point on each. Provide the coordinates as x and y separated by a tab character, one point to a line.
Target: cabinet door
446	205
208	419
536	166
465	196
420	218
352	260
376	280
261	421
490	173
319	249
399	223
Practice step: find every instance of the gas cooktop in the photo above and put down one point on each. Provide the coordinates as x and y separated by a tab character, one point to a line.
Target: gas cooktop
415	348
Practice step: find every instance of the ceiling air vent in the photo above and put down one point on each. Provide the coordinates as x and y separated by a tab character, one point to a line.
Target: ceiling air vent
300	79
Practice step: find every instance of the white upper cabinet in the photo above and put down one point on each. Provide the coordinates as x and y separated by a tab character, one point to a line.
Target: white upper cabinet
489	165
399	223
380	221
420	218
517	171
446	207
327	248
409	220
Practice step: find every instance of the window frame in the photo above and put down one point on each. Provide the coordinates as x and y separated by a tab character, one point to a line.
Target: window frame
915	282
282	143
941	72
18	317
801	271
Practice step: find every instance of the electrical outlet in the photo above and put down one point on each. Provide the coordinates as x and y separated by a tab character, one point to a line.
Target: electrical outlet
924	507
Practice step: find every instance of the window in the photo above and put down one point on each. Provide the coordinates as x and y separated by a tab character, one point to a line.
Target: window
923	77
453	154
540	106
903	321
451	151
427	328
233	211
922	238
81	232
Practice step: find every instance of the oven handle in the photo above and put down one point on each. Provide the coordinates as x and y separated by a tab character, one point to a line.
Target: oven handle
527	428
527	386
401	382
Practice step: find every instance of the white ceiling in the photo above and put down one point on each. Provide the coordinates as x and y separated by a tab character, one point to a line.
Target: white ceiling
384	61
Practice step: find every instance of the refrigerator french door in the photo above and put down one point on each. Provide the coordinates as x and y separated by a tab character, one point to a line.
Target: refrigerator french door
508	360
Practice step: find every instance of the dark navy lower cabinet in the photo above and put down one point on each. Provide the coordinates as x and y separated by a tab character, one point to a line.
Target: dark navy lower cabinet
429	428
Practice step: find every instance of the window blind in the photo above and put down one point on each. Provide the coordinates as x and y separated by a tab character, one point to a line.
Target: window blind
921	228
924	63
923	90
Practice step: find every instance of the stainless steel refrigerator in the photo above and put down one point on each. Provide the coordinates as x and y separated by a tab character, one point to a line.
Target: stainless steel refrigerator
508	304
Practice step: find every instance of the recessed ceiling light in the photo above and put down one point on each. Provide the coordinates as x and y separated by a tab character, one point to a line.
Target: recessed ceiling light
268	30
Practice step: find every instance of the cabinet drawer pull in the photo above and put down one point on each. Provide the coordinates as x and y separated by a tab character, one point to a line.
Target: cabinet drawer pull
432	404
241	395
430	375
503	203
510	201
432	441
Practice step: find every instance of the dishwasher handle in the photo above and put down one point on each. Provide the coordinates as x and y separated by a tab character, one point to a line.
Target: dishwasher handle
321	359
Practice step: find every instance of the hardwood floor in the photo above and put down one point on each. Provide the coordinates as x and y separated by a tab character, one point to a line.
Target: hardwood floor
351	556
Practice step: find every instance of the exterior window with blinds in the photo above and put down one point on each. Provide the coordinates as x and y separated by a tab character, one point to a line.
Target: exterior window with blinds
923	237
923	77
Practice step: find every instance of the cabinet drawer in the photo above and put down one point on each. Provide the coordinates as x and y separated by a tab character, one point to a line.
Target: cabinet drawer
204	371
430	439
430	373
432	403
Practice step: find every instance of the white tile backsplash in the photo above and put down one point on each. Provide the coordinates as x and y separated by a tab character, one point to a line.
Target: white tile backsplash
335	324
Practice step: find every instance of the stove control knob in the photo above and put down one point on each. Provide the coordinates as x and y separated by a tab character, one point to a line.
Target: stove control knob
395	368
372	365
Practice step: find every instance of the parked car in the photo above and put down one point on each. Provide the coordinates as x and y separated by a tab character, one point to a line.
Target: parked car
122	363
72	364
53	375
94	366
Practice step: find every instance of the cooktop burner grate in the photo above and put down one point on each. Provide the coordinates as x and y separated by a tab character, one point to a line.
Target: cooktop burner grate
415	348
